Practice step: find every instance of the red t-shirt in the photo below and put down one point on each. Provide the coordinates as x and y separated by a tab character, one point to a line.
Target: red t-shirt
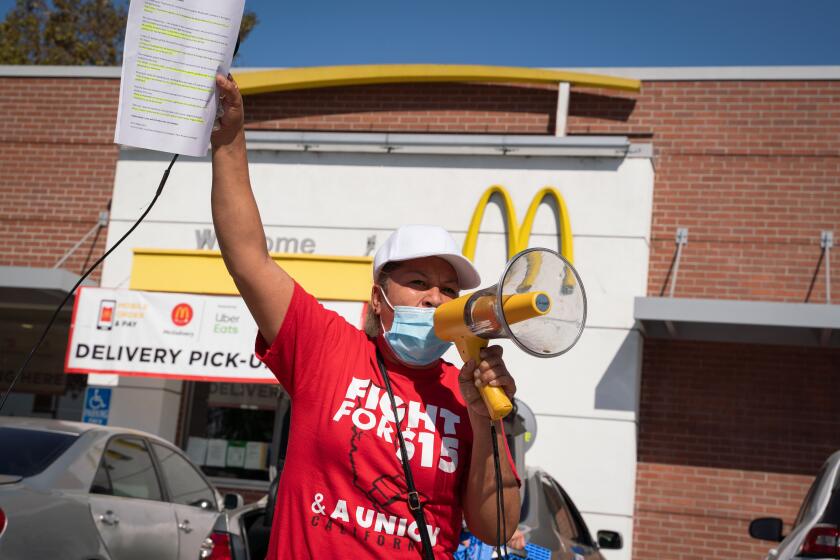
342	493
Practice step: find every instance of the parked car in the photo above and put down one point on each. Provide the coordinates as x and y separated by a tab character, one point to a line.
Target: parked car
89	492
816	530
548	519
551	520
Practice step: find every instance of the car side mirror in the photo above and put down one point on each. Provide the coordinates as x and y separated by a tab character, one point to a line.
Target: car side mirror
233	501
204	504
610	540
767	529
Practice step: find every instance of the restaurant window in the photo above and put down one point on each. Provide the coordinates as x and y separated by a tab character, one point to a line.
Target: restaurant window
44	390
233	430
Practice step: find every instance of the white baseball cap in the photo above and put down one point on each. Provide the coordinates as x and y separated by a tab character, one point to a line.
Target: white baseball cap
418	241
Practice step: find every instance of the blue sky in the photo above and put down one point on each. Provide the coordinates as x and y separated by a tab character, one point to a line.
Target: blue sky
543	33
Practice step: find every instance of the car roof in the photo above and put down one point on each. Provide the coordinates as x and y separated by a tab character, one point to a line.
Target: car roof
68	427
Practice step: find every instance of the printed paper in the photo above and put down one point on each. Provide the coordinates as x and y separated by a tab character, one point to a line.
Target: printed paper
255	455
217	453
173	50
236	454
197	450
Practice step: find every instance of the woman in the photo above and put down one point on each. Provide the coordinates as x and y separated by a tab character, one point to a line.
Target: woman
343	492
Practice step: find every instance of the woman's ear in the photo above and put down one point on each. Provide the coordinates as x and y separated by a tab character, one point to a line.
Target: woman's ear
376	299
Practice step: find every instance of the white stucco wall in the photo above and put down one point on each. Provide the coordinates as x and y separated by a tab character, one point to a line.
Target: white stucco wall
586	401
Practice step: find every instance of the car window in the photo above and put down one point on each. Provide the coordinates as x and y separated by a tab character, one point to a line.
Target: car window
584	537
525	510
185	485
832	511
127	470
559	512
35	450
810	496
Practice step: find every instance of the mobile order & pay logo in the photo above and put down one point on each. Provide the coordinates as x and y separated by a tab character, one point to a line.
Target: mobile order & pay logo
182	314
105	317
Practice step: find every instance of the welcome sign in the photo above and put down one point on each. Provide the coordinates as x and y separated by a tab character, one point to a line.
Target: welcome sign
187	336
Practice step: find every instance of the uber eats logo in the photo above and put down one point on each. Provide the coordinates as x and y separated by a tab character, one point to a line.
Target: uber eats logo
226	320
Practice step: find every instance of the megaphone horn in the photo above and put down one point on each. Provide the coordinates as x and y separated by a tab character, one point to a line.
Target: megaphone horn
539	304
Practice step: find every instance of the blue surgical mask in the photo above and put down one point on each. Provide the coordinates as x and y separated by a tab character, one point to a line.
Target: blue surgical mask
412	336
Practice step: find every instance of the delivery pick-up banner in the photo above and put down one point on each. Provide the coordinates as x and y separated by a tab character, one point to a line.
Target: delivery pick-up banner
185	336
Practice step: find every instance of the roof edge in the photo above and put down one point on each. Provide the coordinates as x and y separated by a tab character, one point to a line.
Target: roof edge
44	71
718	73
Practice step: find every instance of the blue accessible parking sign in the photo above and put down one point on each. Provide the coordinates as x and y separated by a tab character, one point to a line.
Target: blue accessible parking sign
97	405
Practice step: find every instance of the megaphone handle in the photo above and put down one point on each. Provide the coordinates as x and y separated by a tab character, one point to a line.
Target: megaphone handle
495	398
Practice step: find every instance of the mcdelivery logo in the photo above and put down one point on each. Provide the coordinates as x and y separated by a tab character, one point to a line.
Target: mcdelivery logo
182	314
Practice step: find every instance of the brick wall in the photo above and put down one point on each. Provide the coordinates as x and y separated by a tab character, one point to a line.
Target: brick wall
728	433
58	160
732	432
752	169
433	108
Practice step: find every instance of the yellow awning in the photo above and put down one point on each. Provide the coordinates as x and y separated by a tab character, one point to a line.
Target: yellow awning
204	272
264	81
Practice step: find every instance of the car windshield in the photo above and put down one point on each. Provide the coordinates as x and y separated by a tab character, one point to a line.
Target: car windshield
33	450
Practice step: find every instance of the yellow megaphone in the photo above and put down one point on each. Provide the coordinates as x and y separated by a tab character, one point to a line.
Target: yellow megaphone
539	303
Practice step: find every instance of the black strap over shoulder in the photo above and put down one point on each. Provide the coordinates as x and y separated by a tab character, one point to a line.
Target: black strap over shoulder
414	503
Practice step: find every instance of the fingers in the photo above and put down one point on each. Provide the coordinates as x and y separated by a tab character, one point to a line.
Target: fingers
228	91
504	381
491	364
491	370
491	357
229	111
226	85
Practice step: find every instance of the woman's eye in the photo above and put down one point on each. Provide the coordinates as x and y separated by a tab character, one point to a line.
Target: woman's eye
450	292
418	283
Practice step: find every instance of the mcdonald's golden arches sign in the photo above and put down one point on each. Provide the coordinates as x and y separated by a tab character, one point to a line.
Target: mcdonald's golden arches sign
518	236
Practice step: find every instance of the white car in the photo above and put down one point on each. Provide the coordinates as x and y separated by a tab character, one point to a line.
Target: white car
83	491
816	531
